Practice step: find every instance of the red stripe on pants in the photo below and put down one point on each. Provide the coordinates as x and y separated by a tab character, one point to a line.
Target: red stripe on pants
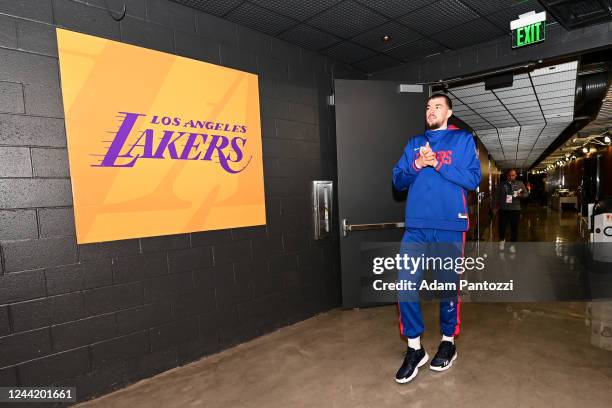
399	318
457	326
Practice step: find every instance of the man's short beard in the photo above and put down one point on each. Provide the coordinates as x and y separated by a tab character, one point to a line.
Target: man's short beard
434	125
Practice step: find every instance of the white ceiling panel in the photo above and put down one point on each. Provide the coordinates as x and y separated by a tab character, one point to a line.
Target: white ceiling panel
565	101
567	66
470	99
527	117
557	94
472	91
527	109
504	123
484	109
512	100
529	121
555	87
521	83
511	92
553	78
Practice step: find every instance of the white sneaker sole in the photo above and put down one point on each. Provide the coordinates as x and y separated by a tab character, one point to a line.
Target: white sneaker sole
416	370
446	367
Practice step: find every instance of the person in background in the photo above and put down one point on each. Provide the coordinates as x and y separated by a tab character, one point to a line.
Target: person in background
508	205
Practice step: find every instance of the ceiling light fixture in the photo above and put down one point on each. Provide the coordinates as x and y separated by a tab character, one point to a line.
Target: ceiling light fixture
385	38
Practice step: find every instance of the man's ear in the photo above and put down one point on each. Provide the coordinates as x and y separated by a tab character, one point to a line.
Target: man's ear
449	114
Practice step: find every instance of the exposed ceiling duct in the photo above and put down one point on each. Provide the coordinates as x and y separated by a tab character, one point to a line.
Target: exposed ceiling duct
603	120
590	91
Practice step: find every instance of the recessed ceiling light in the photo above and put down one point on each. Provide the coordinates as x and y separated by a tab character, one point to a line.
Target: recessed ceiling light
385	38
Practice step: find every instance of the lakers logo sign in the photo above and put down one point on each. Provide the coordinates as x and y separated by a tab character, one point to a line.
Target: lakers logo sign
158	144
129	146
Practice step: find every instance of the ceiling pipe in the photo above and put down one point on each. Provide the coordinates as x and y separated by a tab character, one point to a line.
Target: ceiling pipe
590	91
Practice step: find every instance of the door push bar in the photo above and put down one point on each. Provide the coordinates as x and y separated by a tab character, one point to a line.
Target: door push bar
346	227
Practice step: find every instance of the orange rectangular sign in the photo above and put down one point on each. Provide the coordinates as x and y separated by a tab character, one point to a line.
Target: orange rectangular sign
158	144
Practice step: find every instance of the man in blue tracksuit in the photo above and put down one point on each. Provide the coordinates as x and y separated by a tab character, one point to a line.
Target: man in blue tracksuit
438	168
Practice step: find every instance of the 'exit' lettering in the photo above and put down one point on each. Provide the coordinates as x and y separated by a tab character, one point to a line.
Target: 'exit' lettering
529	34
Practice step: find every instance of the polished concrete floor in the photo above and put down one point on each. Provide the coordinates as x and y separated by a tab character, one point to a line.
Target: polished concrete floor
509	355
540	224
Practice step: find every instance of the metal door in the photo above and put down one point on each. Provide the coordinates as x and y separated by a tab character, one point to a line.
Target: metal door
374	120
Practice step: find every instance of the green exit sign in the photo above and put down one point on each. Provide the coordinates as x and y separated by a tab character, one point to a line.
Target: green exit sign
531	34
529	29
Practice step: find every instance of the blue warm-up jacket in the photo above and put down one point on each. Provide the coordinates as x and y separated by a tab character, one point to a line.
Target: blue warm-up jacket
437	198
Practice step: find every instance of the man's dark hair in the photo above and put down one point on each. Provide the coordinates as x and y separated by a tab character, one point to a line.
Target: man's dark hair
449	103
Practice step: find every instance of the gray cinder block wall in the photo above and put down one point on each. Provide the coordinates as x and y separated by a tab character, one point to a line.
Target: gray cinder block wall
101	316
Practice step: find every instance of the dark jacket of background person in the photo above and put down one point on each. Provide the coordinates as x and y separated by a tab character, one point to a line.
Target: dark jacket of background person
507	188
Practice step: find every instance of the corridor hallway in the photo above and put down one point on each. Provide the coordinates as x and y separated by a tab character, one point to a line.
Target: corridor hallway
510	355
541	224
